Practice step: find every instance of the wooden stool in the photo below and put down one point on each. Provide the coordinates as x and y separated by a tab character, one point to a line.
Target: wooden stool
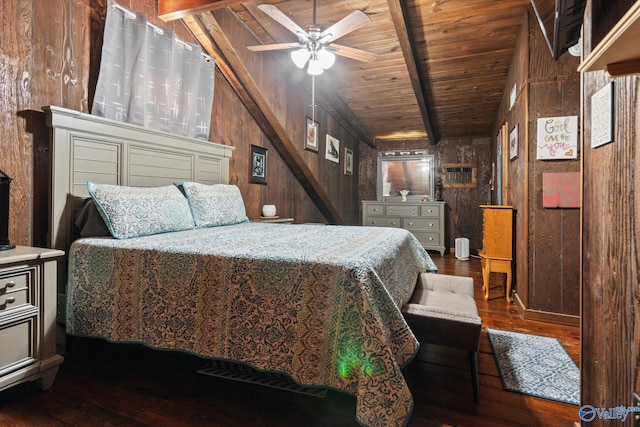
443	311
495	265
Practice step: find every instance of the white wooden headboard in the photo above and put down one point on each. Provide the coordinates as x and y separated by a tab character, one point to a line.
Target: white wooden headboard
90	148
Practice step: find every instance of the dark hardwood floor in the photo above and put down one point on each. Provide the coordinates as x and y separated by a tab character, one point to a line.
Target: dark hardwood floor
104	384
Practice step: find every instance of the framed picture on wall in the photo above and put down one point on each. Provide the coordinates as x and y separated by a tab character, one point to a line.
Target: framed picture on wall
311	136
258	165
332	151
513	143
348	161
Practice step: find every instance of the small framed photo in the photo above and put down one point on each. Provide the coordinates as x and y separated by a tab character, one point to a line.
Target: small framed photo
513	143
311	136
332	150
348	161
258	165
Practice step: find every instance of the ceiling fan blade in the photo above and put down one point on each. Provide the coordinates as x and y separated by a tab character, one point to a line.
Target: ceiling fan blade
283	20
353	53
353	21
274	46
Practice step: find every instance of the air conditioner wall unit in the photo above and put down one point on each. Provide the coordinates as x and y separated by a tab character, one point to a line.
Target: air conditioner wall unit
462	248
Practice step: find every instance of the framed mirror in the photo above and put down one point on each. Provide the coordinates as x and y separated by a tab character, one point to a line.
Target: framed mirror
406	170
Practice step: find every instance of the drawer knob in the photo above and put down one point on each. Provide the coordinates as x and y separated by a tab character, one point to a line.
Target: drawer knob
10	284
430	224
9	300
429	210
410	223
373	223
393	223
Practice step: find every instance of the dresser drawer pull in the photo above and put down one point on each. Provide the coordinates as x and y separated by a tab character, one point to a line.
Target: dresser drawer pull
430	210
373	223
393	223
410	223
431	238
9	300
430	224
10	284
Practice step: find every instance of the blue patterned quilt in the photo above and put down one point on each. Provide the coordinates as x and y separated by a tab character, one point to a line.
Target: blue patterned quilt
321	303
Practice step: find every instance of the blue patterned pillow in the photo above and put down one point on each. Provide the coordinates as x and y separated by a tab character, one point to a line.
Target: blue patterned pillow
141	211
219	204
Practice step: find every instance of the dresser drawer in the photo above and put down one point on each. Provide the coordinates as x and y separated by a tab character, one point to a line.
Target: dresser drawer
17	288
421	224
400	210
428	238
18	344
384	222
375	210
430	210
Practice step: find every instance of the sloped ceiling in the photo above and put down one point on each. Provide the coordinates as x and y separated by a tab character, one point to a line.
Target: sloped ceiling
441	65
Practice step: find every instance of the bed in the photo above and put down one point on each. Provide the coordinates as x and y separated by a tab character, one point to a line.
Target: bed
318	303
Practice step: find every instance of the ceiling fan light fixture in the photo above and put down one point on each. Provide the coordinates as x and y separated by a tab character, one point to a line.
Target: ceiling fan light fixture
326	58
315	67
300	57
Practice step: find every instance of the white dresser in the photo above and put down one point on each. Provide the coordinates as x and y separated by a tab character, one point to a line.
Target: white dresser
424	219
28	315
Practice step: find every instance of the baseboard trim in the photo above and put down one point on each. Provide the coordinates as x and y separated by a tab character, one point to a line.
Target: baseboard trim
545	316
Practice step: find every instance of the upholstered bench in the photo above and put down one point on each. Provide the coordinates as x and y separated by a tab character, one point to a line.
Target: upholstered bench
443	311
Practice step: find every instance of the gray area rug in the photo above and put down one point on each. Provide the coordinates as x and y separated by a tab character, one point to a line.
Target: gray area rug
535	365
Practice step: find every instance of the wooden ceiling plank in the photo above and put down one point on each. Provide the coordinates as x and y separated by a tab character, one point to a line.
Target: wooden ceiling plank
419	78
325	94
209	33
170	10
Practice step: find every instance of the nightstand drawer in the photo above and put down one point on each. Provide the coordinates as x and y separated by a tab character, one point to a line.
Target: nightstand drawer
384	222
421	224
17	288
18	344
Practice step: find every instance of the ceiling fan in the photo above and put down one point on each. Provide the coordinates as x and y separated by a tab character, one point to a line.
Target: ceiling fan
316	45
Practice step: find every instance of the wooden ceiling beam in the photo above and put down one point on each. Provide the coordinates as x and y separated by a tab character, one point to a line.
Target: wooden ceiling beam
170	10
327	97
419	78
209	33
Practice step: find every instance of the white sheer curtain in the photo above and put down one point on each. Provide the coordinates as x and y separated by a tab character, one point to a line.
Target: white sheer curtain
151	78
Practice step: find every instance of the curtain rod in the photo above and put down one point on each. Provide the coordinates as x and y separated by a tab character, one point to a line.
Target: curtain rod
157	29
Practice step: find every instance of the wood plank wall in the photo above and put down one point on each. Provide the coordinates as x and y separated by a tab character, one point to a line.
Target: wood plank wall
554	251
51	56
610	371
463	215
290	102
547	252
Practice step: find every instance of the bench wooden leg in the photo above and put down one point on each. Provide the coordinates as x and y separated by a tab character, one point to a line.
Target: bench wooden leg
473	358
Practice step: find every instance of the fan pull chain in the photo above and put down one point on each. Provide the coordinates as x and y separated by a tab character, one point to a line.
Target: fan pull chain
313	98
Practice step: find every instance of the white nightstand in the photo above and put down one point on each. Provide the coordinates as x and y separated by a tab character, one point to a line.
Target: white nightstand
28	316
